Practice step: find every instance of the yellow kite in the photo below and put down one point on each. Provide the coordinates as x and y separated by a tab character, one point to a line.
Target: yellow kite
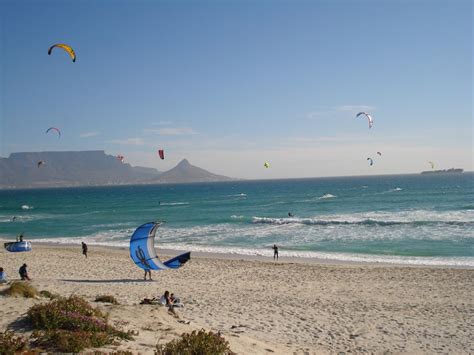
66	48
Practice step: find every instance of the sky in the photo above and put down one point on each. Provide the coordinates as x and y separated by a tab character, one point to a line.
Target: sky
232	84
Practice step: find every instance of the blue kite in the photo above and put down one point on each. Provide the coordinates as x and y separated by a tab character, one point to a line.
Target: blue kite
143	253
16	247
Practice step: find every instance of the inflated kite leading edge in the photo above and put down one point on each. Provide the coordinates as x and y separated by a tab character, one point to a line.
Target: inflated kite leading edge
143	253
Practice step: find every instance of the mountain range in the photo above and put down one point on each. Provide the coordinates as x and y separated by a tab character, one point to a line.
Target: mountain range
90	168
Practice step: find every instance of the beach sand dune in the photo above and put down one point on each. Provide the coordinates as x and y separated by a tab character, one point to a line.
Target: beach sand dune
265	307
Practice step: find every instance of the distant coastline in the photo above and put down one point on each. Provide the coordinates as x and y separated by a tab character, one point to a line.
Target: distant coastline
445	171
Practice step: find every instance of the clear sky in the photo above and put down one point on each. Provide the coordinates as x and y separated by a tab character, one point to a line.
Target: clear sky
232	84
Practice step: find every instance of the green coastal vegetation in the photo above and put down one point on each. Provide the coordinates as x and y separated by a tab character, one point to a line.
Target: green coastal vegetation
71	325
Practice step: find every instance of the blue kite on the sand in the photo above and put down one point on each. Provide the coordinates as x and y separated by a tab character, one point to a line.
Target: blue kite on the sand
16	247
143	253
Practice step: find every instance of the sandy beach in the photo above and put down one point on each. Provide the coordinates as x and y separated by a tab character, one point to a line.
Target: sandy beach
260	306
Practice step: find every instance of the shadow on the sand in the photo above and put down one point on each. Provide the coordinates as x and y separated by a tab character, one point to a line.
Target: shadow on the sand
20	324
108	281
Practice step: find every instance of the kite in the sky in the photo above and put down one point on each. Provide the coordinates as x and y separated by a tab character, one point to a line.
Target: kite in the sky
54	129
371	161
161	154
266	164
67	48
369	117
379	153
121	158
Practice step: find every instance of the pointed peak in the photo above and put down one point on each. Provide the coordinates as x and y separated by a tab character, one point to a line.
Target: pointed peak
184	162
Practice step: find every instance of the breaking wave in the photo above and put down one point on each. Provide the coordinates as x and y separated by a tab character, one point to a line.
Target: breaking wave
326	196
456	218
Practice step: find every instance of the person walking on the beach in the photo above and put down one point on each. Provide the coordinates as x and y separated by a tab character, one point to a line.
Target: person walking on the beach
24	273
275	252
84	249
147	271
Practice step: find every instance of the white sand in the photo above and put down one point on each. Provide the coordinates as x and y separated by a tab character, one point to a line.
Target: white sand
261	307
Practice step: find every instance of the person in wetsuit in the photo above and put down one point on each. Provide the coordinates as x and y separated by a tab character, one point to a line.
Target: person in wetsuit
275	252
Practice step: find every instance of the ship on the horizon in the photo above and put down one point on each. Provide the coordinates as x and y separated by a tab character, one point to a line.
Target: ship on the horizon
445	171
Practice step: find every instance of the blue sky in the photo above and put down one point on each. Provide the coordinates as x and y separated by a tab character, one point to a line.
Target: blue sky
232	84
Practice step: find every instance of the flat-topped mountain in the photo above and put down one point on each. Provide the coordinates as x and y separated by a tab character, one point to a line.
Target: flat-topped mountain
89	168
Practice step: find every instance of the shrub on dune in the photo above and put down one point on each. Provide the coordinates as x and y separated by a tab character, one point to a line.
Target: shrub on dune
22	289
73	313
196	343
71	325
47	294
71	341
11	343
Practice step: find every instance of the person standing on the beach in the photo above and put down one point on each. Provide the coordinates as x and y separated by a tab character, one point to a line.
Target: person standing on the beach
147	271
84	249
275	252
24	273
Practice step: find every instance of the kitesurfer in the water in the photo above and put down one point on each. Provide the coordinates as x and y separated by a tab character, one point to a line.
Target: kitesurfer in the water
290	214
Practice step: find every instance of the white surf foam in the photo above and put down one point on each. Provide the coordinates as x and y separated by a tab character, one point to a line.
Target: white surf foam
173	203
326	196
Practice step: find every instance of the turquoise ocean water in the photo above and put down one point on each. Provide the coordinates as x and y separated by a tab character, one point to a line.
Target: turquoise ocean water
409	219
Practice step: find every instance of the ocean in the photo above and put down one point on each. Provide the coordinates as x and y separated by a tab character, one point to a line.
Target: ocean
403	219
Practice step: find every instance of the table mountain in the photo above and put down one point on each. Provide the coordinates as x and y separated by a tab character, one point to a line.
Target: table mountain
89	168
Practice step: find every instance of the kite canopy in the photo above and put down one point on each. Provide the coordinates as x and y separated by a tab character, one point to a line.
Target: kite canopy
67	48
371	161
143	253
16	247
266	164
54	129
369	118
161	154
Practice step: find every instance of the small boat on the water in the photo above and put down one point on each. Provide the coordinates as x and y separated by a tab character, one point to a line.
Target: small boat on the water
17	246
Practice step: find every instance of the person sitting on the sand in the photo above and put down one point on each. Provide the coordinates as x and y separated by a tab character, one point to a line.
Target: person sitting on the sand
176	301
166	300
24	273
3	276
